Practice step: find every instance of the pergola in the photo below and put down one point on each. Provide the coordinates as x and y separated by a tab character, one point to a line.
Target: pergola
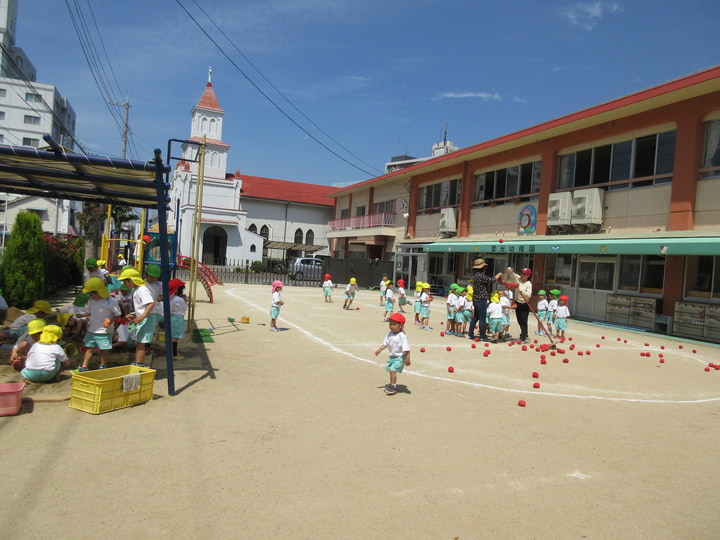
56	173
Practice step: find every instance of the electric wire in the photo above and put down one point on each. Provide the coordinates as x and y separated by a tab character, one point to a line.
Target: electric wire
222	32
267	97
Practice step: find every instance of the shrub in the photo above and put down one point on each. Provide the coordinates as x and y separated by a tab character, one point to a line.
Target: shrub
257	267
22	271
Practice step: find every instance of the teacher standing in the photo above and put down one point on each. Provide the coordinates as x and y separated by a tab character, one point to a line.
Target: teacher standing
481	296
523	292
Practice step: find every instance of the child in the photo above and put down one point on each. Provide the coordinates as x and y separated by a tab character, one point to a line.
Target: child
425	299
507	305
277	302
102	310
383	288
41	309
153	283
327	288
562	313
178	307
402	299
46	359
552	306
416	306
19	353
396	343
542	311
389	300
495	317
450	307
76	324
460	312
102	266
350	291
143	304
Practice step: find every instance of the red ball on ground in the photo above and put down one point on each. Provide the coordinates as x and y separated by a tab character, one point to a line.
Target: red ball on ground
597	345
448	348
536	385
524	347
486	353
707	369
662	346
477	339
501	240
521	403
602	337
543	361
442	334
579	353
543	357
422	349
441	323
451	369
552	353
472	345
566	361
535	374
662	360
694	351
679	346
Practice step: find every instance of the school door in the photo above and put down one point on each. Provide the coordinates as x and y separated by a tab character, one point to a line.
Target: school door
595	281
411	267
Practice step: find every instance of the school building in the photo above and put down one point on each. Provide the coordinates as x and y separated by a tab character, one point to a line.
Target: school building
617	205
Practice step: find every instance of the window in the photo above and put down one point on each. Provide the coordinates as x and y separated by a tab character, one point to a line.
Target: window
29	119
505	185
298	236
265	232
711	150
384	207
651	158
33	98
642	273
2	138
2	115
310	237
360	211
560	269
440	195
252	228
702	276
27	141
3	92
344	213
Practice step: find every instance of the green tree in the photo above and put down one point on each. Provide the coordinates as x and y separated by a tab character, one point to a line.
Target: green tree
121	215
92	220
21	272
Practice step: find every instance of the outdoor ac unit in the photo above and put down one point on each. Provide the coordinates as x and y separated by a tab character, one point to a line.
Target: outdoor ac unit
587	206
448	223
559	208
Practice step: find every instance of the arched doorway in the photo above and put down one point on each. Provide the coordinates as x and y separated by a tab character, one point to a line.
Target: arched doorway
214	246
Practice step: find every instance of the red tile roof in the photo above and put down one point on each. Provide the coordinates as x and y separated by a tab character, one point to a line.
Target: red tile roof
284	190
208	100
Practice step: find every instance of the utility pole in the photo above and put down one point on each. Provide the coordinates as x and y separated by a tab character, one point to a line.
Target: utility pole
125	124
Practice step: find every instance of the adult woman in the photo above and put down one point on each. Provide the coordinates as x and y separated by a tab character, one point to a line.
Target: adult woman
523	287
481	296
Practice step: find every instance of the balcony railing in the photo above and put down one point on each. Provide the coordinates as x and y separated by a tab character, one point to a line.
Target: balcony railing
371	221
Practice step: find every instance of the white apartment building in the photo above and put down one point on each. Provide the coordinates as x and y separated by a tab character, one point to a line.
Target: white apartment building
29	110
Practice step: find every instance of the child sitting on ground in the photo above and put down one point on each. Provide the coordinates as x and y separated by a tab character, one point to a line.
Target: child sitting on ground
19	353
46	359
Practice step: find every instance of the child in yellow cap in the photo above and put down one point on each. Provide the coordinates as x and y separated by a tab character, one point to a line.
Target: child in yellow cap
46	359
416	306
350	291
495	317
22	346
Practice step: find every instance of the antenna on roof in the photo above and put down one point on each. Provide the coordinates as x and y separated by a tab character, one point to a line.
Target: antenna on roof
210	75
445	136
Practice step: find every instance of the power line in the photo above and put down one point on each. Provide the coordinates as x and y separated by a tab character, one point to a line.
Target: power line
268	98
278	90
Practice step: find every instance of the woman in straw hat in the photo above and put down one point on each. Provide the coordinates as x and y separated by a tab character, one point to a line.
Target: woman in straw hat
481	296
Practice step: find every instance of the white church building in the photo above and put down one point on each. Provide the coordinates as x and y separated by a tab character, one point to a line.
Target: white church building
244	218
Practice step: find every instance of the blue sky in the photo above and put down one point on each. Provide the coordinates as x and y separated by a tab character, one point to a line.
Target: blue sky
379	77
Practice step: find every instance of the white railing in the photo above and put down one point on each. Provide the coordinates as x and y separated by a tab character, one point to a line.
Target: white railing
370	221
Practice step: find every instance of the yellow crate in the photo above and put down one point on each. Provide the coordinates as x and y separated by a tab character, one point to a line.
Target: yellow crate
102	390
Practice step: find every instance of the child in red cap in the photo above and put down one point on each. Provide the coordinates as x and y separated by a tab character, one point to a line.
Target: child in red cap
396	342
327	288
562	314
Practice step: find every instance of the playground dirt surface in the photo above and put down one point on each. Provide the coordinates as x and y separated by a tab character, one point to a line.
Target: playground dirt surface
289	435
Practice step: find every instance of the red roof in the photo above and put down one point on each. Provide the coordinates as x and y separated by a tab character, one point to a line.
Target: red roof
209	100
284	190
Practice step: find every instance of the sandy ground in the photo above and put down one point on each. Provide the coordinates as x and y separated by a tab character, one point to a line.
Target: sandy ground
289	435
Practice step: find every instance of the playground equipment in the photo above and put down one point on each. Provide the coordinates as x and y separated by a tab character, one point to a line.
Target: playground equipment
207	277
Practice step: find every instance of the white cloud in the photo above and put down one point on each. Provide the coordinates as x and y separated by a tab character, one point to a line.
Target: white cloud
464	95
586	16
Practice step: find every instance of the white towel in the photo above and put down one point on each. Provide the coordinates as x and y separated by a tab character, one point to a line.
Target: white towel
131	382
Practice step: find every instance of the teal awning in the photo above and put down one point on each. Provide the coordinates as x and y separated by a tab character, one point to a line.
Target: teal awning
707	245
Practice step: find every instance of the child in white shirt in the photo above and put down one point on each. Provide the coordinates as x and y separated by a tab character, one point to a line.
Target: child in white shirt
327	288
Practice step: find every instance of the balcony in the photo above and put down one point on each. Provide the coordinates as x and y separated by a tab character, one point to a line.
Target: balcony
375	224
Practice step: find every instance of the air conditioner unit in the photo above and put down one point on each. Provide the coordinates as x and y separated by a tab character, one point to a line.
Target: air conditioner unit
448	223
559	208
587	206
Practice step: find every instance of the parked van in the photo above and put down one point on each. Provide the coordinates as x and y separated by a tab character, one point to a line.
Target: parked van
308	268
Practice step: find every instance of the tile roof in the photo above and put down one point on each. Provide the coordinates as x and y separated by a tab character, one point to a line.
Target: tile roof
284	190
208	100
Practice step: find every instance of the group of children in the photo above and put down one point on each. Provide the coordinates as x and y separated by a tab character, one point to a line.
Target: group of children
103	321
552	312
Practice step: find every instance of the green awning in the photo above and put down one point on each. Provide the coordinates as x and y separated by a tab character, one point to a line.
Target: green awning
707	245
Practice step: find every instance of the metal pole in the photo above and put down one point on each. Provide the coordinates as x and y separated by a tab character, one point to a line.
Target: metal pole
197	222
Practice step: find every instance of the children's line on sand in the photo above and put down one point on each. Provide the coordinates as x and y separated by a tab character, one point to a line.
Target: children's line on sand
334	348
